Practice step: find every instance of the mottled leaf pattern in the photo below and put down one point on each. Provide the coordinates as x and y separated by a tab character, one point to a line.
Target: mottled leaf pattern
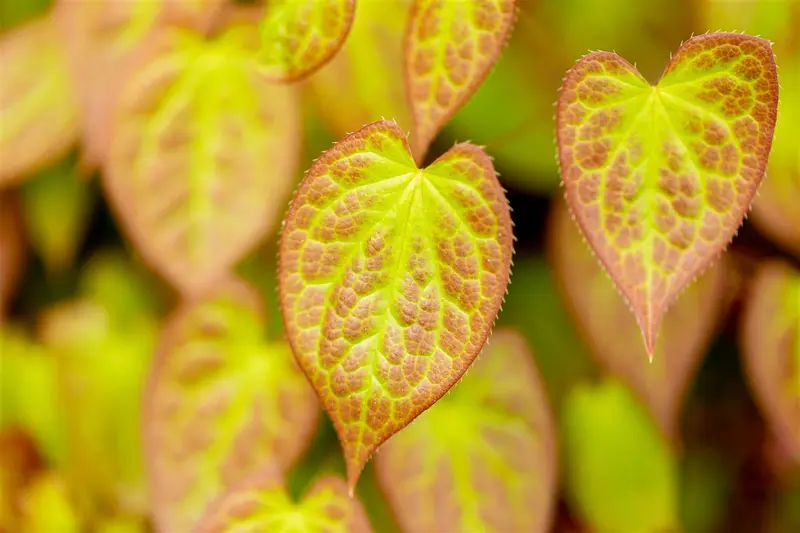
38	109
613	335
482	458
390	278
770	336
364	81
220	401
299	36
260	502
203	155
12	249
450	48
660	178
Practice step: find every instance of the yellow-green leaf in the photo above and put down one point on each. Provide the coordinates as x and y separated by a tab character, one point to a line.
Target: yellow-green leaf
12	249
38	109
47	507
770	340
620	475
390	278
659	178
57	206
202	157
220	402
611	329
364	81
450	48
299	36
483	458
260	502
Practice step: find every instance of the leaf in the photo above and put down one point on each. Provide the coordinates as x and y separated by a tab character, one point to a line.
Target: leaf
99	38
660	178
770	340
46	506
19	462
450	48
12	249
260	502
390	278
483	458
38	109
220	401
613	336
300	36
364	80
203	155
619	474
102	360
57	206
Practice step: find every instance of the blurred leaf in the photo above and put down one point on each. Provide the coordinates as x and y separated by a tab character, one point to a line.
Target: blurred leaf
261	503
46	507
219	403
200	15
450	48
364	81
619	473
770	339
99	37
122	524
561	356
706	485
483	458
19	462
16	12
390	278
38	109
785	510
203	156
299	36
28	392
57	206
12	249
612	333
660	178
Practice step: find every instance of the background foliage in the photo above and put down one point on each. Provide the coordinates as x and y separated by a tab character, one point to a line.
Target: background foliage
116	376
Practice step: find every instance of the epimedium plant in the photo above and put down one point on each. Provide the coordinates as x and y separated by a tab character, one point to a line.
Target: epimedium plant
390	273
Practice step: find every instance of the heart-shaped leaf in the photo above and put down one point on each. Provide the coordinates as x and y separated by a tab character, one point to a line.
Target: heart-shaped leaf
99	37
364	81
12	249
483	458
56	207
450	48
300	36
770	336
390	278
220	401
260	502
38	109
613	335
660	177
203	155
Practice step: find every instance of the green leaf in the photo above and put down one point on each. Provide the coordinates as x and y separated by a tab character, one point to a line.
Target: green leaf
29	392
99	38
450	48
613	335
57	206
619	473
220	402
483	458
299	36
390	278
12	260
102	361
261	503
203	155
770	340
38	109
364	81
46	506
660	177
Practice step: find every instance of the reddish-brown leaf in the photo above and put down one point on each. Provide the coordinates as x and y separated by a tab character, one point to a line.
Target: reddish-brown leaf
12	249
